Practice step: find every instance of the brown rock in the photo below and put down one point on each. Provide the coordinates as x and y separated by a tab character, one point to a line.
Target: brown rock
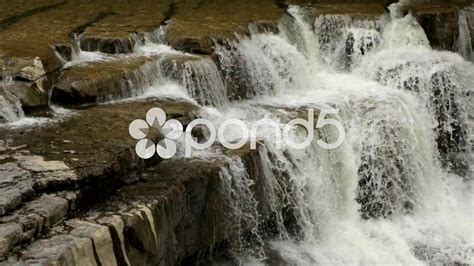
196	24
99	81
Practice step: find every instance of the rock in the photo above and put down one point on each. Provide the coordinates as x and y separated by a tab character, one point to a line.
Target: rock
30	51
32	95
195	25
103	127
98	81
370	9
185	205
14	191
61	250
10	234
339	2
439	20
25	68
126	25
199	75
33	35
30	168
31	220
100	236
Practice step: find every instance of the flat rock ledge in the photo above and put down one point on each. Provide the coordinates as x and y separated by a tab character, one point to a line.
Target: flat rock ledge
49	172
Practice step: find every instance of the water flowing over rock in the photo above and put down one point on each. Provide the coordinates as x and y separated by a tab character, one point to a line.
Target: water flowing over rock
380	80
200	76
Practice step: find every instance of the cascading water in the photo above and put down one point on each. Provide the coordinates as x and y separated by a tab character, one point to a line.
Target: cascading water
345	40
199	76
10	105
392	192
78	56
386	195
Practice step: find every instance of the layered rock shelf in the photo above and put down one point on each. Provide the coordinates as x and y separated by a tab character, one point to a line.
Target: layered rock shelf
72	190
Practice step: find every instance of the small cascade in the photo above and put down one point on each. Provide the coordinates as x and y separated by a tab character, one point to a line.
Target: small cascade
199	75
345	40
404	32
10	105
435	80
392	168
265	63
298	29
237	186
78	56
156	36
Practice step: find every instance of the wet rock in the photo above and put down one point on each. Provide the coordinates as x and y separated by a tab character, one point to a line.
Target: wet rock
199	75
111	46
464	47
184	206
61	250
36	39
32	95
41	168
195	25
10	234
100	236
25	68
10	106
32	219
451	135
440	25
439	20
99	81
126	25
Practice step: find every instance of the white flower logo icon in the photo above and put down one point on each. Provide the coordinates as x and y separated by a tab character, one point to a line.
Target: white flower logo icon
156	118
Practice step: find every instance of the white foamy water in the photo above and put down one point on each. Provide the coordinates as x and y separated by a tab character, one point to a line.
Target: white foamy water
382	197
386	195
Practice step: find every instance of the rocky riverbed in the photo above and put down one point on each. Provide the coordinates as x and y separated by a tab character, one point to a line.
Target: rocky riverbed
72	189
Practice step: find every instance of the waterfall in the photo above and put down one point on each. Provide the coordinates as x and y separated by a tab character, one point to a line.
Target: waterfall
393	192
78	56
199	76
398	190
345	40
438	80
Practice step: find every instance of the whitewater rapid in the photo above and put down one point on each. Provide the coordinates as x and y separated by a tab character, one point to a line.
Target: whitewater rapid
383	197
